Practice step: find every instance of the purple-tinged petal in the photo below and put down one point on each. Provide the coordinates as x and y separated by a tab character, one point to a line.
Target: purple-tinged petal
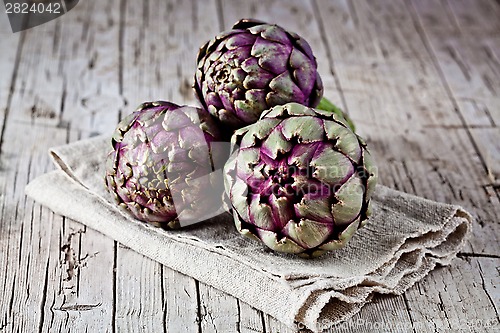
302	154
226	99
330	166
240	39
281	210
273	57
214	100
284	90
250	108
257	77
304	73
271	32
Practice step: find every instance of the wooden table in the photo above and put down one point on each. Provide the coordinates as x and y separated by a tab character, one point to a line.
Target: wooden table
421	79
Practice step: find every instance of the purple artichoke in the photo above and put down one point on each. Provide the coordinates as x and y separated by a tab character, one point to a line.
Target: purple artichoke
160	167
252	67
299	180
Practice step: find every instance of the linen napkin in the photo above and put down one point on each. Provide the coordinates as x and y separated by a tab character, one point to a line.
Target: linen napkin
405	238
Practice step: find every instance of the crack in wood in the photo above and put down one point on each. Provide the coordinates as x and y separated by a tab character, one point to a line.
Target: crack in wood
263	322
71	259
443	308
238	321
458	60
492	57
481	274
477	255
459	127
489	84
115	260
13	81
208	317
78	307
163	299
44	296
198	302
186	292
5	325
408	311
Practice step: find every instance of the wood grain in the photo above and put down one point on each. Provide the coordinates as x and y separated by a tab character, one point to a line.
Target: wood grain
421	79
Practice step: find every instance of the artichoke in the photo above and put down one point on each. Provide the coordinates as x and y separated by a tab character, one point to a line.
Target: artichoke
252	67
299	180
160	168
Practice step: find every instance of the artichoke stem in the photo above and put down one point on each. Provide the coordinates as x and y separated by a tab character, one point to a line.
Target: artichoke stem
326	105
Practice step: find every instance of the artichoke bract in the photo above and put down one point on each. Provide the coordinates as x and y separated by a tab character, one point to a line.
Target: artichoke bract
299	180
160	168
252	67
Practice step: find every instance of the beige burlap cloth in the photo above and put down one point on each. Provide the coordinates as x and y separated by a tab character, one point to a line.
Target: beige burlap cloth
406	237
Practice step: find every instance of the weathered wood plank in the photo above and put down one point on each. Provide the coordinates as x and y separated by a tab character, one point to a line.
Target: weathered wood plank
488	143
11	45
68	304
52	292
385	314
467	54
406	69
24	240
80	293
8	66
139	294
473	308
251	320
274	326
91	88
217	310
180	295
160	43
220	312
405	109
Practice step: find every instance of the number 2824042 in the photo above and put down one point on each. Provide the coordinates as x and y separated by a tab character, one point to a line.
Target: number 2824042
26	8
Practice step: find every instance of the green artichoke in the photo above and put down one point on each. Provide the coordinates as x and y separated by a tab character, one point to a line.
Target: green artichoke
252	67
160	168
299	180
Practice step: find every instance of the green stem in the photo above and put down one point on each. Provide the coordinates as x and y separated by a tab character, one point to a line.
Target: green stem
326	105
